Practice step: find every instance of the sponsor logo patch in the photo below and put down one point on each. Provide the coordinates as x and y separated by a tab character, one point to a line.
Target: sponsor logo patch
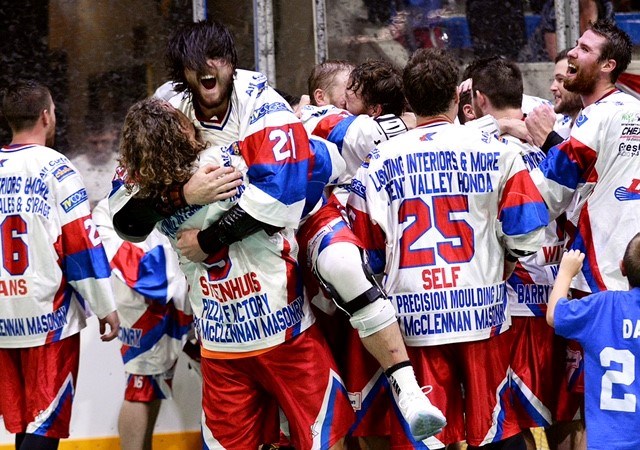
265	109
632	192
427	137
63	172
74	200
581	120
358	188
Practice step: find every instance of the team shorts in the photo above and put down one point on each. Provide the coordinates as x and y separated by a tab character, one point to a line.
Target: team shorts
537	363
571	388
240	397
469	380
368	389
147	388
37	386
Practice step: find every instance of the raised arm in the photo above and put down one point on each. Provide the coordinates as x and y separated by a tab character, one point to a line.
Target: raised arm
569	267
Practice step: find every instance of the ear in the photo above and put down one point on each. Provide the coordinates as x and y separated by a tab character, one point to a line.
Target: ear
45	116
318	97
622	269
375	111
608	65
467	110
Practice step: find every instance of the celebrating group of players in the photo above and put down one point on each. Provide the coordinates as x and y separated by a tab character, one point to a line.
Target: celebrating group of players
439	242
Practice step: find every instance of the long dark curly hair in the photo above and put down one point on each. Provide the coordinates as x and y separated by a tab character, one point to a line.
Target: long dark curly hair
155	150
190	46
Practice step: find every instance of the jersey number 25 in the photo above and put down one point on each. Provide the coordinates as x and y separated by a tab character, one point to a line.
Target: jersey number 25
458	245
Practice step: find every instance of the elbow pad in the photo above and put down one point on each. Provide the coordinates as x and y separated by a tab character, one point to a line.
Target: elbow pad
391	125
233	226
513	255
136	220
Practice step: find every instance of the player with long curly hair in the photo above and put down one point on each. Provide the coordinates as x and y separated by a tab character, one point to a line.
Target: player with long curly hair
159	146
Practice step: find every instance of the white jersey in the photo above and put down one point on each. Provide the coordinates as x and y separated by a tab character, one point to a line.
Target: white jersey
151	295
600	162
247	296
53	257
435	208
355	136
529	286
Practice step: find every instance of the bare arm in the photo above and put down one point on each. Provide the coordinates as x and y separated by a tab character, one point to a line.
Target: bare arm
569	267
509	267
114	325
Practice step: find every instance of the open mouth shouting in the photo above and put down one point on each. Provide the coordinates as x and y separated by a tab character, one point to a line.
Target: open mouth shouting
208	82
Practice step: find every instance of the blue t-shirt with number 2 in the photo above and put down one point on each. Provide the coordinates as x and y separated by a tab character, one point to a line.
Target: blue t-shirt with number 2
607	324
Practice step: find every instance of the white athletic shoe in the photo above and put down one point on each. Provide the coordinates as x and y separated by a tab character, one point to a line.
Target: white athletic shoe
423	418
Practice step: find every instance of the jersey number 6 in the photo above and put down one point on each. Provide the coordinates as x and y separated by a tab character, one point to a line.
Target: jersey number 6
15	251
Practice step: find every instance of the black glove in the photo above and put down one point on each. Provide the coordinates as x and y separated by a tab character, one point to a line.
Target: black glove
233	226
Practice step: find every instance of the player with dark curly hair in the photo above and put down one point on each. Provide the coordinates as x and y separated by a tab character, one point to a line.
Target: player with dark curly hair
249	311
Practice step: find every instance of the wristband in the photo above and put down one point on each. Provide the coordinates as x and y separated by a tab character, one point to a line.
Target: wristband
171	200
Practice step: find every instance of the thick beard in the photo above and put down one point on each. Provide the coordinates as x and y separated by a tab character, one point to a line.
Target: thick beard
569	105
582	83
226	94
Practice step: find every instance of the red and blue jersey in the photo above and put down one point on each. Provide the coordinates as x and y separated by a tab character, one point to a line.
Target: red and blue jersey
436	209
598	168
272	143
354	136
53	259
530	284
248	297
151	294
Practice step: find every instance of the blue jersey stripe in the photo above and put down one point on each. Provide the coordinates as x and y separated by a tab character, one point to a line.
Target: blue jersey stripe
524	218
320	175
152	276
339	131
558	167
287	184
148	340
90	263
587	269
